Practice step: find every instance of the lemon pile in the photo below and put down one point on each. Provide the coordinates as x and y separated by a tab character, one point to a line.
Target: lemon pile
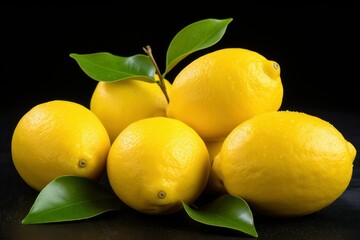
221	132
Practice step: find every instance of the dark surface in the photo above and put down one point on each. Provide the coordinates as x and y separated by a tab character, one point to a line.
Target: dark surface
316	46
338	221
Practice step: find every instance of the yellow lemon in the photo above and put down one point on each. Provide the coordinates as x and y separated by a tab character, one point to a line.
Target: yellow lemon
156	163
219	90
286	163
214	185
117	104
58	138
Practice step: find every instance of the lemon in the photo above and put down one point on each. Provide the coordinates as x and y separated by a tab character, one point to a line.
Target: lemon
286	163
58	138
214	185
117	104
219	90
155	163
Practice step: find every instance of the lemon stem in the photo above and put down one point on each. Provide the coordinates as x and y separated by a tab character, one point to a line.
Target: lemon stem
161	82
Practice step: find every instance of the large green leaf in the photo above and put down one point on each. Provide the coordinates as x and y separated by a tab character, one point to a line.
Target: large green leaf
69	198
194	37
107	67
225	211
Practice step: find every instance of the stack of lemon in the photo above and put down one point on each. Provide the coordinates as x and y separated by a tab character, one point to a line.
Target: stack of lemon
222	131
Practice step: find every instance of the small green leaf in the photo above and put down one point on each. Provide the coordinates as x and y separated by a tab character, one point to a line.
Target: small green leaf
107	67
69	198
225	211
194	37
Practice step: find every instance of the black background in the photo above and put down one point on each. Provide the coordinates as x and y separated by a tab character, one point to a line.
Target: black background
316	46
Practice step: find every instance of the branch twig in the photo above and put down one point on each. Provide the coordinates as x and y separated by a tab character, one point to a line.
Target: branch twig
161	82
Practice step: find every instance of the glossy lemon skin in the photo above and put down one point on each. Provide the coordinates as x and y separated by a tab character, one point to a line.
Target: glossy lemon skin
219	90
155	163
58	138
117	104
286	163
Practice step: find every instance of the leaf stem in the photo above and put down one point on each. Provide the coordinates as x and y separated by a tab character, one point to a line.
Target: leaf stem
161	82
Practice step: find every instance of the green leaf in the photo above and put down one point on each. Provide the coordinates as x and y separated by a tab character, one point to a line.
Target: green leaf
194	37
107	67
225	211
69	198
